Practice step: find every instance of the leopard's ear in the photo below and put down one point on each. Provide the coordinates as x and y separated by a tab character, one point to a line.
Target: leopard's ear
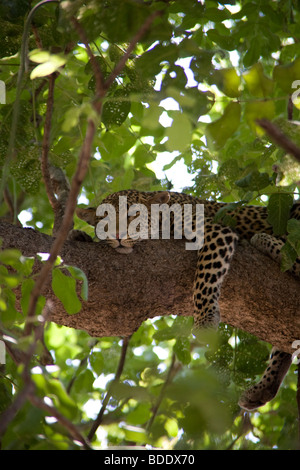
162	197
88	215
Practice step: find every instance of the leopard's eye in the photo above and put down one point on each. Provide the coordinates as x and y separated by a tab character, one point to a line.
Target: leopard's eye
101	217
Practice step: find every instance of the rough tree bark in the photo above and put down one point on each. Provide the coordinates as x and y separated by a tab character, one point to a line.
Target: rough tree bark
157	279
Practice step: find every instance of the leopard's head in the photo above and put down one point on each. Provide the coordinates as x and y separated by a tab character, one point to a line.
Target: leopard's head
119	221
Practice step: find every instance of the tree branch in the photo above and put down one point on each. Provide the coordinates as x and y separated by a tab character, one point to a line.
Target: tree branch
157	279
280	138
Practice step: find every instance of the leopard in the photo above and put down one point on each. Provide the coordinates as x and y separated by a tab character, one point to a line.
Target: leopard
214	257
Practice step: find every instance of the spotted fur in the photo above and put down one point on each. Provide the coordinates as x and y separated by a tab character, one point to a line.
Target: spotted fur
251	223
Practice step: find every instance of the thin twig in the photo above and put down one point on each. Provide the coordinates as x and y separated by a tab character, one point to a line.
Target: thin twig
82	364
162	393
120	368
280	138
46	144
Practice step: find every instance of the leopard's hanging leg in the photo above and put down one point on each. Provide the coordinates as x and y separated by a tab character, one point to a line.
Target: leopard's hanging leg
212	266
280	361
267	388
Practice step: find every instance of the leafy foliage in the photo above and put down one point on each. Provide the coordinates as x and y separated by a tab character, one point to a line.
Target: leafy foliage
224	65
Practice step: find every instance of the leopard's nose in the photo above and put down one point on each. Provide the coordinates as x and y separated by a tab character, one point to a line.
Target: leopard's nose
121	235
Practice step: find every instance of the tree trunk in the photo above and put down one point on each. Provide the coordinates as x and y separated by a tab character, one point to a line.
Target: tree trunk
157	279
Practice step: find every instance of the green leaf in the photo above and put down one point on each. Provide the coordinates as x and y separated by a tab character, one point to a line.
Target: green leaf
285	75
182	349
293	228
116	109
257	82
84	382
26	169
135	434
10	256
196	103
288	256
39	56
26	289
26	265
254	181
151	116
47	65
77	273
142	156
27	286
64	287
17	261
115	144
219	131
11	280
228	81
259	110
97	362
165	334
291	249
5	395
279	207
179	134
55	390
225	42
172	428
149	63
201	65
8	312
253	53
140	414
216	14
182	326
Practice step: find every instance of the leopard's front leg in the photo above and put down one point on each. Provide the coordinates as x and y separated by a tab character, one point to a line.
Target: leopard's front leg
212	266
271	246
